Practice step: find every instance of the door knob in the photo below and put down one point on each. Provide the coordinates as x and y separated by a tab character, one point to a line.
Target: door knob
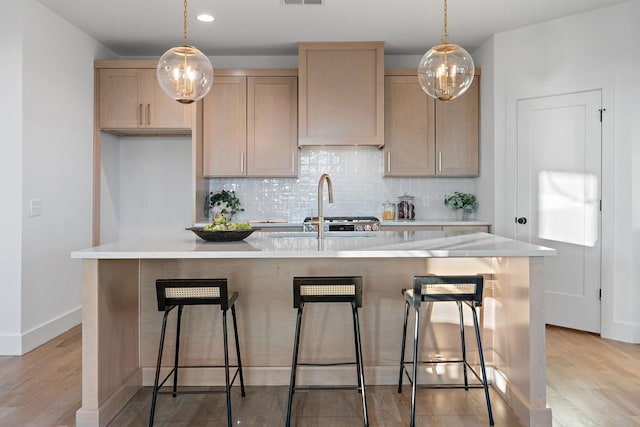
521	220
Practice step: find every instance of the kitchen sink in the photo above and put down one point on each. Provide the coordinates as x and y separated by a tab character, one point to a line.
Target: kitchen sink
327	234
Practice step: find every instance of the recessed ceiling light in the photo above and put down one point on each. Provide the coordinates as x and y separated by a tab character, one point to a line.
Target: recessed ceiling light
203	17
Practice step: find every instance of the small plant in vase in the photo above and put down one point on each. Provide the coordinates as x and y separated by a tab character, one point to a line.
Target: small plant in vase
461	203
224	202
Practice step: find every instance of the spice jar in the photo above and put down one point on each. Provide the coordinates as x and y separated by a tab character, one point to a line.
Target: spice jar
388	211
406	207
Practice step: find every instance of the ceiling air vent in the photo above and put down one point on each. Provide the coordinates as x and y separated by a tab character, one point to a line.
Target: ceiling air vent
288	2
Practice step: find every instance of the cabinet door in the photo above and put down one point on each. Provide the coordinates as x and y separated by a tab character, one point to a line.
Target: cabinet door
409	128
457	134
272	114
341	93
225	128
161	111
121	98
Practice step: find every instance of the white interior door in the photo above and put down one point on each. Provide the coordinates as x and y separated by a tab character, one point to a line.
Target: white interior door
558	200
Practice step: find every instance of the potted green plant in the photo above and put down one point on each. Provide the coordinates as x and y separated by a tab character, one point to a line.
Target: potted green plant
461	203
224	202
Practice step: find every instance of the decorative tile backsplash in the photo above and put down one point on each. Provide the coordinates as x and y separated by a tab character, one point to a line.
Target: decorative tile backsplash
358	187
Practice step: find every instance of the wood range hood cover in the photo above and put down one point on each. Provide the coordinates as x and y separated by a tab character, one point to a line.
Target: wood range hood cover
341	93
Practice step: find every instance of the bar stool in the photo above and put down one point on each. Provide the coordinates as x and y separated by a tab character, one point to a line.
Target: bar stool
467	289
174	293
328	290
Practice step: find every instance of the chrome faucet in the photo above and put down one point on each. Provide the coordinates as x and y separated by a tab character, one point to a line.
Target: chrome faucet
323	177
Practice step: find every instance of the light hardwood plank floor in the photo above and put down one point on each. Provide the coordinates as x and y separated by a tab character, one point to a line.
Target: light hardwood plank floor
591	382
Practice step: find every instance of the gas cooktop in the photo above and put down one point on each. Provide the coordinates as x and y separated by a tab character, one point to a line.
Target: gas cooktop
344	223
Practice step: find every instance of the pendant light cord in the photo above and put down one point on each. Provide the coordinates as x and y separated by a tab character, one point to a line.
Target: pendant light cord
445	37
185	24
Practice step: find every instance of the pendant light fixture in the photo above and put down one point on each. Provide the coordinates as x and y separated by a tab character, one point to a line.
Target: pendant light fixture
185	73
446	71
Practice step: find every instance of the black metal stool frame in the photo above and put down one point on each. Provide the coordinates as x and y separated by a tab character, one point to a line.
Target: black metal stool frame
355	299
167	304
473	299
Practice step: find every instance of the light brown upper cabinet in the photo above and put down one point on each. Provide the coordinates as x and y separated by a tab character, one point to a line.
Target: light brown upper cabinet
250	127
410	137
341	87
225	127
132	102
457	134
425	137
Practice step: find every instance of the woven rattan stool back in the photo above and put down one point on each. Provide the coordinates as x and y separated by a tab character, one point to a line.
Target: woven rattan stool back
448	288
327	289
173	292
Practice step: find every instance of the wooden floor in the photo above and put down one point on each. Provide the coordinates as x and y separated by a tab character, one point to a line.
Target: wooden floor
591	382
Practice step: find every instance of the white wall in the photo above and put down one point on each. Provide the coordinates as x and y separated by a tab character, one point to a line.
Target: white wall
11	178
486	182
109	188
578	53
49	147
155	186
634	140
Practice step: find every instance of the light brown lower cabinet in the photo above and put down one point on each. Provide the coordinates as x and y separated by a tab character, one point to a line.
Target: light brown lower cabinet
250	127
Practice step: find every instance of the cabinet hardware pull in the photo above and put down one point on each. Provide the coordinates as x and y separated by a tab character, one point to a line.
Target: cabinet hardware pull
140	116
439	161
241	162
293	162
388	161
148	114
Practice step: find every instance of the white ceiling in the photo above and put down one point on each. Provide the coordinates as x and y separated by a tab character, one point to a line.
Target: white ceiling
267	27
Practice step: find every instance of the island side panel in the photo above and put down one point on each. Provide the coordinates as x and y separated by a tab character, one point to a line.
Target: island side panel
267	319
519	338
110	339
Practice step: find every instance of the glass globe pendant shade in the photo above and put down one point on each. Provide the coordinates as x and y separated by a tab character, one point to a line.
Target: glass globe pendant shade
185	74
446	71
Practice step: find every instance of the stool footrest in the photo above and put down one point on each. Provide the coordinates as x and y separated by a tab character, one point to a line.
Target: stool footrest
421	362
328	364
173	370
194	391
328	387
447	386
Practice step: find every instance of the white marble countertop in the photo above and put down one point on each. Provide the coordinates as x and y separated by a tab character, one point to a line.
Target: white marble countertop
382	244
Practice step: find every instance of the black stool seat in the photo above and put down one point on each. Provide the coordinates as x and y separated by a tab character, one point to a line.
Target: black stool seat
328	290
459	289
174	293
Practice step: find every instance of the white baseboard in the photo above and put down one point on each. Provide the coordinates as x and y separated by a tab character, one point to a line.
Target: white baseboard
10	345
17	345
622	331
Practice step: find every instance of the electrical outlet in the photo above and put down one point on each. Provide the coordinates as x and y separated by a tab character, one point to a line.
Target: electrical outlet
35	207
143	202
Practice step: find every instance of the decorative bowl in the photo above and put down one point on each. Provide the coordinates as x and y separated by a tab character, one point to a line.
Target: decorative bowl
221	235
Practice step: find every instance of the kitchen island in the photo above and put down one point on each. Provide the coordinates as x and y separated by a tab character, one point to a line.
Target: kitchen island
121	324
